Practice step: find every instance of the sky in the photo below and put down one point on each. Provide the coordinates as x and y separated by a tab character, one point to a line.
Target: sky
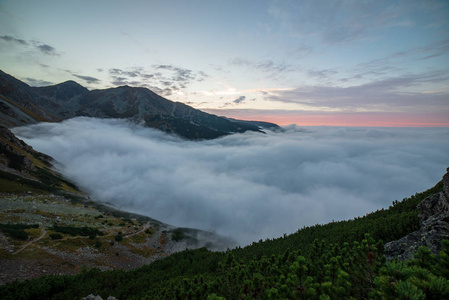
246	186
317	62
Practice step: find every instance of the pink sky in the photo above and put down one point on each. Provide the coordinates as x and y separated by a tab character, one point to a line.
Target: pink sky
340	119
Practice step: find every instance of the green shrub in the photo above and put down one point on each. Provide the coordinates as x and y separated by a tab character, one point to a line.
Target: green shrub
55	236
74	231
16	231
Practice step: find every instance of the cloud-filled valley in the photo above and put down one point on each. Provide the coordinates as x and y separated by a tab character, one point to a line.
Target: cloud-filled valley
247	186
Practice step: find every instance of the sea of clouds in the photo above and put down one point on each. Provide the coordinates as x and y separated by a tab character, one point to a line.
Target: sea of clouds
247	186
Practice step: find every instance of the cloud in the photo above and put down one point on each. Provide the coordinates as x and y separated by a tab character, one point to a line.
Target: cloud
37	82
167	67
46	49
12	39
41	47
248	186
133	73
88	79
117	80
392	94
311	18
181	74
382	66
161	79
321	73
343	21
239	99
268	66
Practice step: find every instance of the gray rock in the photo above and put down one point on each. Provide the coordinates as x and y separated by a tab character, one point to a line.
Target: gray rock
92	297
434	219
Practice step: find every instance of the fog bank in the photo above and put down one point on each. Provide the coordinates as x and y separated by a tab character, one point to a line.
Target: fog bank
248	186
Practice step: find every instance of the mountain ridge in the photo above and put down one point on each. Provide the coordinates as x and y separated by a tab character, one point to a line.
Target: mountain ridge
70	99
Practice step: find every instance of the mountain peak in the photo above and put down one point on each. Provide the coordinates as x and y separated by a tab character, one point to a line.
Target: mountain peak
70	84
62	91
70	99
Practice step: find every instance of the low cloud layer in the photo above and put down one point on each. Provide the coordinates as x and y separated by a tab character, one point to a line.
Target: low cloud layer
247	186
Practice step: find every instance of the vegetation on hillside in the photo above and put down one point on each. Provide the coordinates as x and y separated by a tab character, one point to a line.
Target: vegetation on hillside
17	231
23	169
339	260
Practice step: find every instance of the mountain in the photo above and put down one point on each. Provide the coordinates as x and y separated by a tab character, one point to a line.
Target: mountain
338	260
49	226
21	104
18	105
23	169
260	124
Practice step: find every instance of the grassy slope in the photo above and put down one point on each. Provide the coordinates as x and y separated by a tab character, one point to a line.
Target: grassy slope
46	178
387	224
35	116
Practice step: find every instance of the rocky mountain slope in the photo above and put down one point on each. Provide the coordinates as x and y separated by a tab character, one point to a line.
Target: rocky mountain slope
55	234
24	169
48	226
21	104
434	220
17	104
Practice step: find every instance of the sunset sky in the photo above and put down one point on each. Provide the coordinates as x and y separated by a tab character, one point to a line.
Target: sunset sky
320	62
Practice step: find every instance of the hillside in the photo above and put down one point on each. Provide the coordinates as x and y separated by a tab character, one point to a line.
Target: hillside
24	169
340	260
49	226
21	104
17	105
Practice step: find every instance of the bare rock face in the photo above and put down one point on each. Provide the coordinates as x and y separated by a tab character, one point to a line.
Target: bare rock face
434	219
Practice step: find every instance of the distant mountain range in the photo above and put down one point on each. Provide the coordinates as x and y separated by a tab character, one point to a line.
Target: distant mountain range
21	104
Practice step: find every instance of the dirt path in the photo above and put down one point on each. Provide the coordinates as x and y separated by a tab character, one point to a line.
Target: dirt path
145	227
44	232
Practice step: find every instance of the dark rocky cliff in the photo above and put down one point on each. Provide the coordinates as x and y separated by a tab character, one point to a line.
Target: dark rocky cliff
434	220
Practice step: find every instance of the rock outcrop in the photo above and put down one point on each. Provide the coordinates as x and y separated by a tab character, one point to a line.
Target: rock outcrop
434	219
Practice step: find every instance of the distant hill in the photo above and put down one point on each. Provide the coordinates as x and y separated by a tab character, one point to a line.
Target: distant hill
21	104
260	124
